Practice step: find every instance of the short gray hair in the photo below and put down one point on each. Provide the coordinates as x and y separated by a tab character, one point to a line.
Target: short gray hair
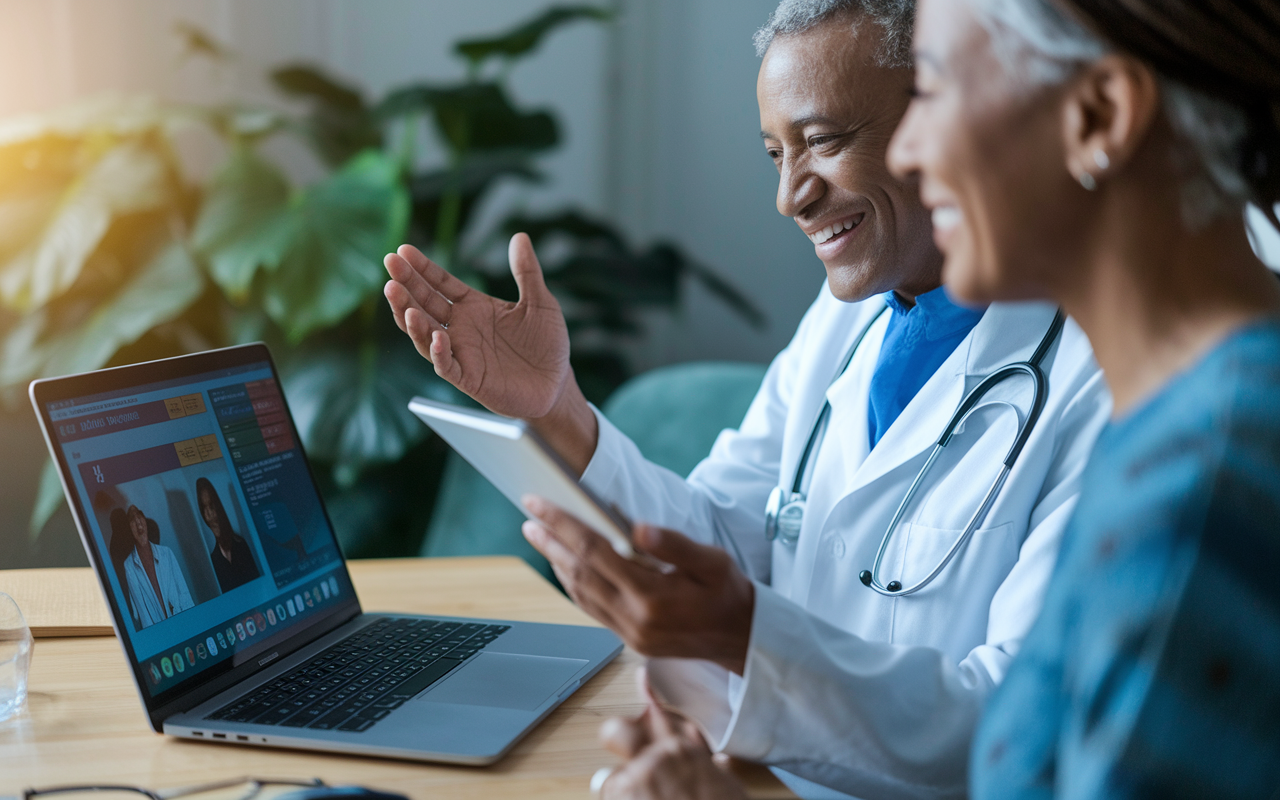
895	17
1037	41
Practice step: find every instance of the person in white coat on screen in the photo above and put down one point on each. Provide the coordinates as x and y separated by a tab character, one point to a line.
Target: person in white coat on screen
157	589
775	645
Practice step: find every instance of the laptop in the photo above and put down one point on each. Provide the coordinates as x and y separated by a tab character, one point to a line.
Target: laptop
230	595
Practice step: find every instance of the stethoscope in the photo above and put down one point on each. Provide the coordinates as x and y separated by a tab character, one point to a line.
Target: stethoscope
785	510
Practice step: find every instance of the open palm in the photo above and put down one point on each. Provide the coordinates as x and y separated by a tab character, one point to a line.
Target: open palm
512	358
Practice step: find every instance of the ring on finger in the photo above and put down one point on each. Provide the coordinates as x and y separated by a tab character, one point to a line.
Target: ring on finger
598	778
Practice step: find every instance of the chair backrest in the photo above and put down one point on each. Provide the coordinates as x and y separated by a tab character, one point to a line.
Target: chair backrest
674	414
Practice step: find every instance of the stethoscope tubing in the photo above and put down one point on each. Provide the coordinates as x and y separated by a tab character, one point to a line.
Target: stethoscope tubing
1040	389
871	578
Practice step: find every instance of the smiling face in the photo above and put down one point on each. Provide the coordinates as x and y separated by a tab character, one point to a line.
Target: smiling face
209	513
827	113
990	157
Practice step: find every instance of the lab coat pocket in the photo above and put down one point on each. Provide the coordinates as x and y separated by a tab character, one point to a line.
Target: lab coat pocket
951	612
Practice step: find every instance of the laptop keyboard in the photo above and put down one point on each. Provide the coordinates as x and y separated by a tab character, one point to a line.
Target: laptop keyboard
360	680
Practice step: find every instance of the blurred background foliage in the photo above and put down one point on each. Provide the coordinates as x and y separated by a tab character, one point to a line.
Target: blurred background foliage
109	256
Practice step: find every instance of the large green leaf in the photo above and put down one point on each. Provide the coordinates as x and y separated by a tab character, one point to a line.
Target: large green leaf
607	280
526	36
651	278
245	223
471	179
340	124
573	224
318	251
311	82
351	404
475	116
43	344
637	281
473	175
342	227
77	211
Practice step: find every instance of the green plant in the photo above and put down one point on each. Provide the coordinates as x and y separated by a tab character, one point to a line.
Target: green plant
107	256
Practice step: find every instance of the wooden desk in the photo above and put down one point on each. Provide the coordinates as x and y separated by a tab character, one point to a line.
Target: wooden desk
85	724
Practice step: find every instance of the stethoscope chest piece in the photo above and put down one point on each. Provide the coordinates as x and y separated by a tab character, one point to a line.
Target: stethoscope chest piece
783	516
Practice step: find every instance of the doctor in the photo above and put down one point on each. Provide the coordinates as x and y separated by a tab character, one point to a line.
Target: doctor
775	646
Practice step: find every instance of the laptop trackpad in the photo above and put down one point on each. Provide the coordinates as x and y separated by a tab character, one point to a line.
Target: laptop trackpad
504	680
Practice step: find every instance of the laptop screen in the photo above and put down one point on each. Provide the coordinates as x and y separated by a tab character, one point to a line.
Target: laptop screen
205	518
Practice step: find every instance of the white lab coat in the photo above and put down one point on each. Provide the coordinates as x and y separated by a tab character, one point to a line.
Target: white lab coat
874	696
147	608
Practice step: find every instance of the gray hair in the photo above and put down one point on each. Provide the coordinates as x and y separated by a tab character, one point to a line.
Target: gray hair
1036	41
895	17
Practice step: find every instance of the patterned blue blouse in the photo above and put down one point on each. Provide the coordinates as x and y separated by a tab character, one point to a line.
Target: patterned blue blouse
1154	670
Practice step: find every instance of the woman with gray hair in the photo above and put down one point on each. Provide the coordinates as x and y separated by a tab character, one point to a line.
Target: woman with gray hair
1101	153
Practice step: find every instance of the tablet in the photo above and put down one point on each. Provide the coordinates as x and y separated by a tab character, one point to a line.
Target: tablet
519	463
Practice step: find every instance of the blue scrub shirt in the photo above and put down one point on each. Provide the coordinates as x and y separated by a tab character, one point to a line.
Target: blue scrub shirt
919	338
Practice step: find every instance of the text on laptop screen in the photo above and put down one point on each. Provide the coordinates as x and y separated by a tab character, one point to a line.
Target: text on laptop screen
201	503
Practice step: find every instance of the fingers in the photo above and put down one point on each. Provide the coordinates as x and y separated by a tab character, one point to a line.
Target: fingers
586	585
525	267
431	273
417	292
441	357
429	337
625	737
696	560
586	545
410	317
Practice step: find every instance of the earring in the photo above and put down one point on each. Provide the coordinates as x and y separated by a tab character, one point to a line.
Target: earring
1101	158
1088	181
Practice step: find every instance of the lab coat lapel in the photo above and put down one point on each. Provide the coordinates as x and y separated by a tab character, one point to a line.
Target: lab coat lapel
1006	333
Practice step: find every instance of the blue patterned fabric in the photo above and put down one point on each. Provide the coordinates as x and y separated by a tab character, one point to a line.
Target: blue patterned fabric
916	342
1154	669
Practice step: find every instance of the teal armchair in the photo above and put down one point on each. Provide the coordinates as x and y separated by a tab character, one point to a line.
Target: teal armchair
673	414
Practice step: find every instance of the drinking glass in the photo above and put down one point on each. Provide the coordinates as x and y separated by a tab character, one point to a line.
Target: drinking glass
15	657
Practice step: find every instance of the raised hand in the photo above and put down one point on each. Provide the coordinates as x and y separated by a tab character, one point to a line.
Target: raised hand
512	358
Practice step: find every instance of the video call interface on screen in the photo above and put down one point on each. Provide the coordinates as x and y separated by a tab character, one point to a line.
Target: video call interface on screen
204	514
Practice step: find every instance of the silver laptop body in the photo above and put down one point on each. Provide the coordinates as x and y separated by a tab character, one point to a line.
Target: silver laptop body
231	598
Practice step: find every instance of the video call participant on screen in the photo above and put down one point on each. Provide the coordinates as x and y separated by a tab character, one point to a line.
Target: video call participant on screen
232	559
157	589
